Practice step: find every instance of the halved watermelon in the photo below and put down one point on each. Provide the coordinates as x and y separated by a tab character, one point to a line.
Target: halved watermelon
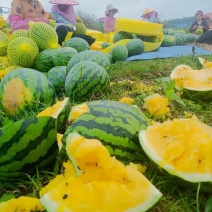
182	147
195	84
103	183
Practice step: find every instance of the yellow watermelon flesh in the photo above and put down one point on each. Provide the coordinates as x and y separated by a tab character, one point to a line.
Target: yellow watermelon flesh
182	147
102	183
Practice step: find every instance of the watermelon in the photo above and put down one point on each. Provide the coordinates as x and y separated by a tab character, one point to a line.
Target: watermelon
114	123
102	59
194	84
135	46
198	31
24	90
181	147
168	40
77	43
105	45
26	145
103	183
85	80
119	53
63	55
60	111
180	38
57	76
190	38
121	35
44	61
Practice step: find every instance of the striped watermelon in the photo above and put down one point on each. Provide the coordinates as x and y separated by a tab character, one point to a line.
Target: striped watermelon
180	38
114	123
60	111
85	80
119	53
122	35
24	90
26	145
57	76
63	55
135	46
44	61
77	43
98	57
168	40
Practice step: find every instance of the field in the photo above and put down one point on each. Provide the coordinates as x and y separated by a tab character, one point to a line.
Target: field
138	79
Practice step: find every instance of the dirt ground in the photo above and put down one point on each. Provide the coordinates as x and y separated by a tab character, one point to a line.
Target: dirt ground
207	47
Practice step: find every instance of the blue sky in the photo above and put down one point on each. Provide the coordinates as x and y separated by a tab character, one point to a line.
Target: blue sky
133	8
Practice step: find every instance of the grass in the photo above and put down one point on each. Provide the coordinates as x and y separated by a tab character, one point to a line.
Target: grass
151	73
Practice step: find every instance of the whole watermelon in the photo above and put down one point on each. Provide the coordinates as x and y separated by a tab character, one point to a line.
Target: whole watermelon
77	43
26	145
57	76
121	35
85	80
135	46
115	124
119	53
102	59
24	90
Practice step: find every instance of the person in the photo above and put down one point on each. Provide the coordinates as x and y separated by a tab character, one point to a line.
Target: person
24	11
149	15
63	11
208	18
110	20
64	15
199	23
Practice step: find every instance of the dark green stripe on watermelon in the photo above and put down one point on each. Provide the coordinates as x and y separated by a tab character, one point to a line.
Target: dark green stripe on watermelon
26	144
57	76
36	91
86	79
115	124
44	61
98	57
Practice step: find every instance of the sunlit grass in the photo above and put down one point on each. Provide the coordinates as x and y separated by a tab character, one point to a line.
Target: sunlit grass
126	76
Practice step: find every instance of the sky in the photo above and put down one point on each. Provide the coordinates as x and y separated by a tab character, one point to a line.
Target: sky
167	9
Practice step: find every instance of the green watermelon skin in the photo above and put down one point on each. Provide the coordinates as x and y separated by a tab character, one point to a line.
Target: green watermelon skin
44	61
190	38
180	39
77	43
135	47
26	145
119	53
121	35
25	90
57	76
168	40
63	55
102	59
115	124
86	79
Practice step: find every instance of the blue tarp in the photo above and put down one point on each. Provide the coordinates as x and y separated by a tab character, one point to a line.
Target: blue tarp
172	51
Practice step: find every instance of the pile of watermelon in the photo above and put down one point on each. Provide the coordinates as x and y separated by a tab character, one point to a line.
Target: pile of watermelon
53	100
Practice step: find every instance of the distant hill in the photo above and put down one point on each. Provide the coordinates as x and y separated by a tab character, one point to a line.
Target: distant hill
180	23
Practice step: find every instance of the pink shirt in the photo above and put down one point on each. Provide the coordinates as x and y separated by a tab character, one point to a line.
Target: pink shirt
16	22
109	24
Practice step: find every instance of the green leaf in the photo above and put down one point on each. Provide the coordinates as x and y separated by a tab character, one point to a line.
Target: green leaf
208	207
7	197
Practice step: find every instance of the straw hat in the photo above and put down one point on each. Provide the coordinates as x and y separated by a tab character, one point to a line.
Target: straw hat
146	11
109	8
72	2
